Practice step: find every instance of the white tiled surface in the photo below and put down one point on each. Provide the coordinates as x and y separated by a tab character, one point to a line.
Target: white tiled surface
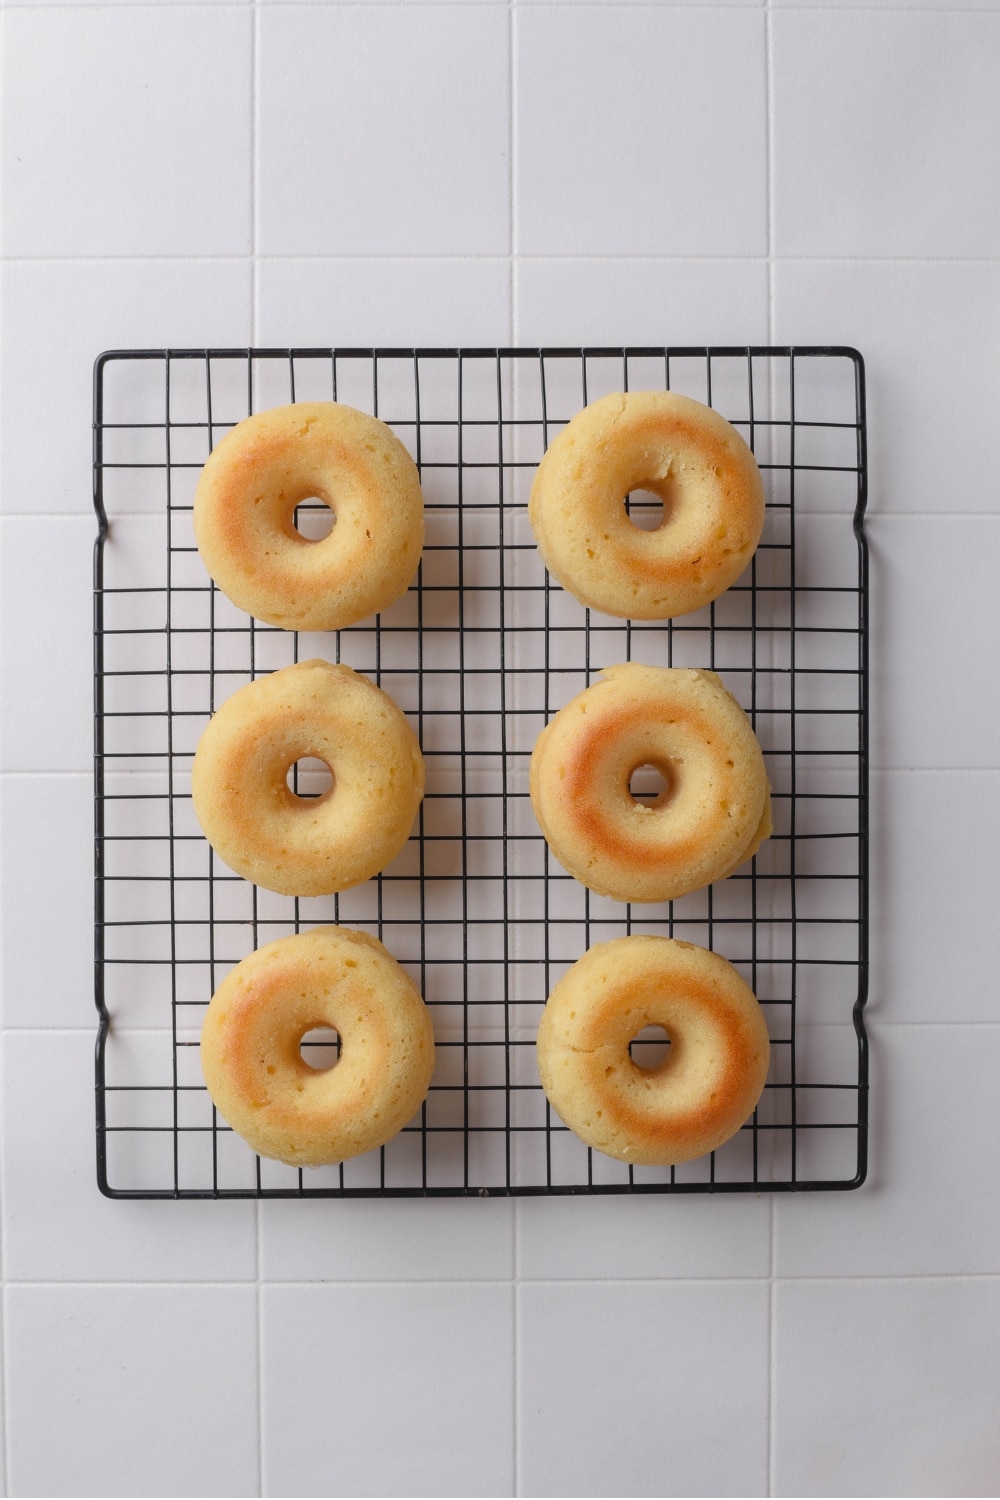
56	1227
643	1388
127	131
57	314
40	981
470	173
906	102
707	1237
419	164
45	631
392	302
95	1404
699	301
926	713
924	1211
400	1390
844	1429
930	334
599	124
447	1239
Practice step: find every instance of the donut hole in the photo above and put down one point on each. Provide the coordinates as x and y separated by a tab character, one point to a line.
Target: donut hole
651	784
649	507
645	510
650	1048
314	518
320	1048
309	779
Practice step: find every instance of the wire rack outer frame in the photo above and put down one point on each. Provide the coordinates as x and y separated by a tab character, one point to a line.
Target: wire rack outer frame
510	1187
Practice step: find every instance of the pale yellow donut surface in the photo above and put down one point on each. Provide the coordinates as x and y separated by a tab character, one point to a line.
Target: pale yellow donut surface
681	451
250	1047
708	1084
245	503
713	813
304	846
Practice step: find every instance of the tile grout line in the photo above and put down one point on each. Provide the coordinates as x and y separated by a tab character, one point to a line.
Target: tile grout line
694	5
768	182
4	1351
772	1318
499	257
5	1363
259	1352
4	1360
254	169
513	324
615	1280
4	1368
255	51
513	140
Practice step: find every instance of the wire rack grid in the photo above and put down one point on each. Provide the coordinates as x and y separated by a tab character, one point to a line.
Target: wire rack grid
480	652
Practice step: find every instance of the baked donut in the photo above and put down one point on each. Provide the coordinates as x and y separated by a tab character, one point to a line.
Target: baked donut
308	846
245	503
680	450
713	813
253	1029
706	1087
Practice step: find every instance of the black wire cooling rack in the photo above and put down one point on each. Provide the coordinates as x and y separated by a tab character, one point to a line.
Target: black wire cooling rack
480	653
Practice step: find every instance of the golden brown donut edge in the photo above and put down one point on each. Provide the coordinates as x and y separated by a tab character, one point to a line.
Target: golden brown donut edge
712	1077
293	845
678	449
245	502
250	1047
713	815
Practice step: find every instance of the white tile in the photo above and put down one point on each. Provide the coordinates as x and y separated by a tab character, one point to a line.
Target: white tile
383	2
928	707
622	1239
571	3
57	1226
887	1388
57	317
48	886
640	132
437	1239
923	1210
29	4
886	4
395	303
879	125
393	1390
127	131
641	302
928	953
46	675
642	1390
384	130
928	336
151	1390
